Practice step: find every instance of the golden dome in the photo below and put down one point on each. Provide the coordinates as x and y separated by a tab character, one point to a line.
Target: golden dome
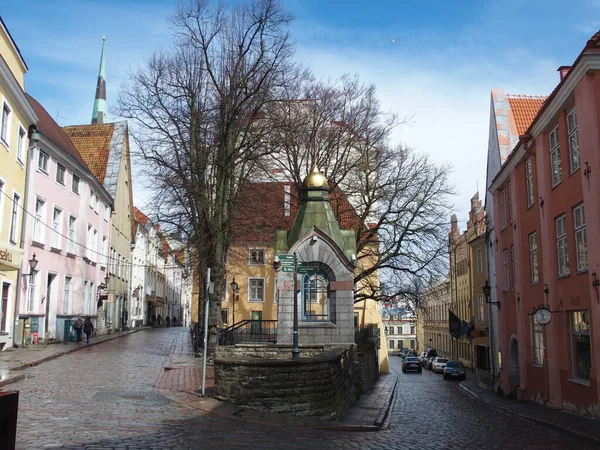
316	179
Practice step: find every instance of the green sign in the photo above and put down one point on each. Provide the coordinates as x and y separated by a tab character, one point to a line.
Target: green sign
287	269
302	268
283	257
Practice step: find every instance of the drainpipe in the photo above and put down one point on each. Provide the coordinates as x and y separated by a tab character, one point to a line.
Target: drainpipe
34	139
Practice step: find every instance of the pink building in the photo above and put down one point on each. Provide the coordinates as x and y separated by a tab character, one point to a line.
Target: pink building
547	244
67	227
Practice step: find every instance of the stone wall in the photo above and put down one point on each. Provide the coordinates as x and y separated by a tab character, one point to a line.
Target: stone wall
320	385
367	367
266	351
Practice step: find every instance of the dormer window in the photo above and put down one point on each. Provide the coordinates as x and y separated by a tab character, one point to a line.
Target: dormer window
256	257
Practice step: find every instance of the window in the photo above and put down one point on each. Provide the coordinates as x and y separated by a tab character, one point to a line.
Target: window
38	227
256	256
555	165
481	307
86	294
75	184
533	257
287	202
90	301
72	242
13	218
581	353
57	228
315	293
503	208
573	141
96	202
509	203
67	296
506	270
60	173
275	292
31	289
512	263
94	249
92	195
106	212
5	130
561	246
225	316
256	290
43	159
538	343
88	243
412	330
21	144
529	182
412	344
391	344
580	238
104	251
479	261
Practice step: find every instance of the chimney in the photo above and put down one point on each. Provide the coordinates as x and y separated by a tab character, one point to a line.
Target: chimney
563	70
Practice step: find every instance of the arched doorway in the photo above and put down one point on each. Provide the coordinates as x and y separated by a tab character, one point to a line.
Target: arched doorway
513	367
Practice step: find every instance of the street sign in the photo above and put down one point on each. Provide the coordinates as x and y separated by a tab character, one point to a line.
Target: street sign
301	268
284	257
287	269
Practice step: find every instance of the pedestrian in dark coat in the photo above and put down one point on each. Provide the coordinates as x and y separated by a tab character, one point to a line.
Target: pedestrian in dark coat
78	325
168	321
174	321
88	328
153	319
159	319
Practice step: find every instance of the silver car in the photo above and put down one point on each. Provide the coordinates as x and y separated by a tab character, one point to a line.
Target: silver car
438	364
455	369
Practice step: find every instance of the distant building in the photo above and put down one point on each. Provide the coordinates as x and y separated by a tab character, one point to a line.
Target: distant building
433	318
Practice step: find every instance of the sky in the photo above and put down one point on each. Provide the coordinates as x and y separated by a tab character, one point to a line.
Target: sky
438	74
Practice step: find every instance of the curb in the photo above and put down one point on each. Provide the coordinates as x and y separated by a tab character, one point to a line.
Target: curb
11	380
383	414
544	423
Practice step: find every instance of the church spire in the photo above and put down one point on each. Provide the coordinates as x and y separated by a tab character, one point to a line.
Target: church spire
100	100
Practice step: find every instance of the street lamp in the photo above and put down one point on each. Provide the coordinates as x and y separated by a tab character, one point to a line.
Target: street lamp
487	290
33	262
235	289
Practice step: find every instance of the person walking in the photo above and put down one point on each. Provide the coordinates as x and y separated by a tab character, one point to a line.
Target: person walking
78	326
174	321
88	327
159	318
168	321
153	319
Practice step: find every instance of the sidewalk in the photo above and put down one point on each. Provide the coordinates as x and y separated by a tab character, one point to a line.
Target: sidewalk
559	420
14	360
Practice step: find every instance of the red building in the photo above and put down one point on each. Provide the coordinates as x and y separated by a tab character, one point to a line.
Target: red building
547	243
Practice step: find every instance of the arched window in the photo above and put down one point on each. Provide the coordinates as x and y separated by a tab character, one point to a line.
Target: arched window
315	296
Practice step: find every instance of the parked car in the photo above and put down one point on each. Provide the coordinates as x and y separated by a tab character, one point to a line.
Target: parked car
455	369
423	358
429	363
411	363
438	364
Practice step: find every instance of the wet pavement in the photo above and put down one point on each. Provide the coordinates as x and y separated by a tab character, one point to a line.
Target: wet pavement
115	395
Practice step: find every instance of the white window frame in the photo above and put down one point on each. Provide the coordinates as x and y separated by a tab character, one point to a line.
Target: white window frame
573	333
39	226
94	249
31	290
14	218
573	139
555	162
479	260
88	241
533	258
506	269
562	251
579	229
5	124
529	182
21	143
57	226
481	307
75	183
255	261
287	200
537	341
67	294
60	169
72	234
92	194
252	299
43	161
106	212
104	258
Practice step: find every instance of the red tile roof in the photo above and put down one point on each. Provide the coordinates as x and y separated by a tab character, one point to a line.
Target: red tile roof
48	127
524	109
140	217
93	143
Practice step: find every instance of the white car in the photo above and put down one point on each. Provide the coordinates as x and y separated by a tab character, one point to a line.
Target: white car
438	364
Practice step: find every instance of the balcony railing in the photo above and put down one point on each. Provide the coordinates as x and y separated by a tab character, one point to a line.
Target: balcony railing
249	331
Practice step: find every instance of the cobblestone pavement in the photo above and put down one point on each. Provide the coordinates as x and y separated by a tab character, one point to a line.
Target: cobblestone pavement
107	397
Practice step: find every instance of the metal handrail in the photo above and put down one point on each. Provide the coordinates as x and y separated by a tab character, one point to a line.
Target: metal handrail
249	331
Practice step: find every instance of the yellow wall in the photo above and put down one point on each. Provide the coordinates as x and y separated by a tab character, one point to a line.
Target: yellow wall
12	58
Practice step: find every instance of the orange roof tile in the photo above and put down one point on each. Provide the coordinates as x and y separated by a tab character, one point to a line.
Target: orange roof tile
524	109
140	217
93	143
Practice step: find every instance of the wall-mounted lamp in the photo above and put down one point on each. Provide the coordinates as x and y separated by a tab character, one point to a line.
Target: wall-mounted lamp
542	202
276	263
34	136
313	239
596	284
518	301
587	171
33	262
487	290
546	290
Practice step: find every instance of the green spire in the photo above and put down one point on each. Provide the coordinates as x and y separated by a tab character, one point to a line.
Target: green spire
100	100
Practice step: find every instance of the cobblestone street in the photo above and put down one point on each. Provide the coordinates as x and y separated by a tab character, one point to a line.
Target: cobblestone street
108	396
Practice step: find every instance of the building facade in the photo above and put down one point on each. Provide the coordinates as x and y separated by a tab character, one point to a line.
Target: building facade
545	198
433	318
68	229
400	332
17	120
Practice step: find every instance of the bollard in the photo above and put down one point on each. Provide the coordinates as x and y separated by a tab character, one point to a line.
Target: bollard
9	407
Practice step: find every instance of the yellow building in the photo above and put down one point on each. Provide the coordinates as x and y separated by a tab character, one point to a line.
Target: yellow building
17	118
432	320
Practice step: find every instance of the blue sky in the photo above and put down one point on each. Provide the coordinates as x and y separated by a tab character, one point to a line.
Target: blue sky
439	74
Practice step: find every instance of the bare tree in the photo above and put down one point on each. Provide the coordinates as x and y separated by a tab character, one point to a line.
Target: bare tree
401	197
193	110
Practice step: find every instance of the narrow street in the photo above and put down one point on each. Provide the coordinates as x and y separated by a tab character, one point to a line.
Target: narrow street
107	397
